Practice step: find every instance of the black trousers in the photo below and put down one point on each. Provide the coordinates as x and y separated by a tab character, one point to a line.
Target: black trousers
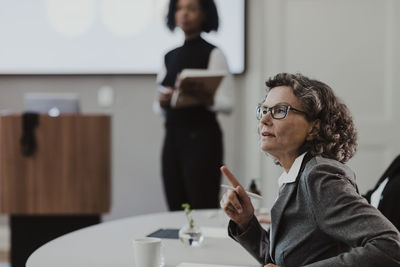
191	159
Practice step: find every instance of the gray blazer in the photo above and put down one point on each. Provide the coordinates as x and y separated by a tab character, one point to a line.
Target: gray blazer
321	220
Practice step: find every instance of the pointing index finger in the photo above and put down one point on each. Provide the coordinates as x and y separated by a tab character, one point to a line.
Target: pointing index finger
229	176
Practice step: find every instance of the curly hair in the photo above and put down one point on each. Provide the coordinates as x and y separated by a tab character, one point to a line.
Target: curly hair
337	137
209	8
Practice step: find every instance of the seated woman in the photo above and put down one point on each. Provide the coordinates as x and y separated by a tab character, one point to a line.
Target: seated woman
319	217
386	194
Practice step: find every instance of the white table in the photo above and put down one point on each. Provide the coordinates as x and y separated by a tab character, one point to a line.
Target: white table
110	243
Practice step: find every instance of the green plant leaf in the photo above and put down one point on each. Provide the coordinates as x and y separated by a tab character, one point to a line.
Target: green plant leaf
186	207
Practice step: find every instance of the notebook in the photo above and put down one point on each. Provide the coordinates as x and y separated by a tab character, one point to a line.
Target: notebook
208	80
169	233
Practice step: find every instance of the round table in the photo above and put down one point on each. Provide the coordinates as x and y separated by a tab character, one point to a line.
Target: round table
110	243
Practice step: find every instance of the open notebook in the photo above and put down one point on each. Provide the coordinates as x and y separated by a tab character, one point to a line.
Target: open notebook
193	80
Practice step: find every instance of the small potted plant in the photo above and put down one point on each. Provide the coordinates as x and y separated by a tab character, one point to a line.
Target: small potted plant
190	234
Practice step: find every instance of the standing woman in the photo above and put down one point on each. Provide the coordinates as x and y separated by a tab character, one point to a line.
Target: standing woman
192	151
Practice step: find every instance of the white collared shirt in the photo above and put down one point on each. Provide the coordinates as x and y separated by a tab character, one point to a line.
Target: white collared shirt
290	177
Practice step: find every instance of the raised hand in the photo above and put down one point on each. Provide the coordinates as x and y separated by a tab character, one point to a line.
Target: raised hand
236	204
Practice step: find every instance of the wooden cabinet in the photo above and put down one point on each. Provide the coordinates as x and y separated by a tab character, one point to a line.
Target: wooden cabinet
69	173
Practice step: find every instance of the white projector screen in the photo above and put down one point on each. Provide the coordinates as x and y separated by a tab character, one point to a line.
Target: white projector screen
103	36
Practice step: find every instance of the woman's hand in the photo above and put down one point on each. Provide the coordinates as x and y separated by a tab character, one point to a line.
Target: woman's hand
165	97
236	204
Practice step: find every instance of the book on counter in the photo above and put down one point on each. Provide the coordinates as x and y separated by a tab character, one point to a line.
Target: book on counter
193	80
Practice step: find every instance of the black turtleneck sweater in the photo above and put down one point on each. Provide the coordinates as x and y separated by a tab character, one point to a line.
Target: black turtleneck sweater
193	54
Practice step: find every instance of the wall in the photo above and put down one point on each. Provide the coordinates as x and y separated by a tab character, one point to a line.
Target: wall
352	46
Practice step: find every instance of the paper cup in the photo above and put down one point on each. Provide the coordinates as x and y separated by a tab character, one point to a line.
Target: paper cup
147	252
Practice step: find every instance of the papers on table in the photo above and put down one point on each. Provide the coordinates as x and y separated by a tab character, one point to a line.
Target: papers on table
215	232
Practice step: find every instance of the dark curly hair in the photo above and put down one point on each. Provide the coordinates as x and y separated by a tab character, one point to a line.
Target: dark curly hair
337	138
211	21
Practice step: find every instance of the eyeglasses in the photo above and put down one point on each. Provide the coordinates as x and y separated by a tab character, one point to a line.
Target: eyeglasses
278	112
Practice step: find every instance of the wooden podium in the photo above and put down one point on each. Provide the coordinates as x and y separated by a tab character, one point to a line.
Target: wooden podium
66	178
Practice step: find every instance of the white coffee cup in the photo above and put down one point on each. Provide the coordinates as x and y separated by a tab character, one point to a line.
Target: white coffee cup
147	252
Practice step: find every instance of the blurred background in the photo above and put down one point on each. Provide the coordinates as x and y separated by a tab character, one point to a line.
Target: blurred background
352	45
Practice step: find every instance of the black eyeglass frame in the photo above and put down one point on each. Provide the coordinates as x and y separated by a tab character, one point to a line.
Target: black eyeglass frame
260	115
